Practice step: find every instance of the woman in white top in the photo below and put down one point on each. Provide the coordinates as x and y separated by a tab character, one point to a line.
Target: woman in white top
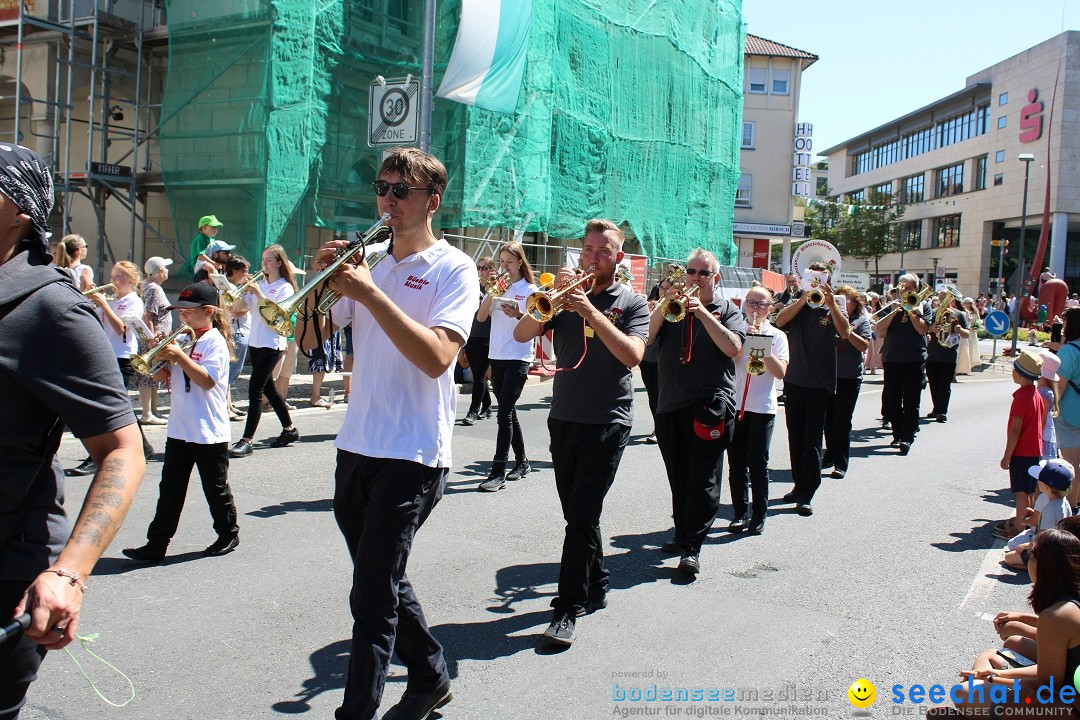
70	252
198	432
265	347
974	322
158	320
509	362
748	456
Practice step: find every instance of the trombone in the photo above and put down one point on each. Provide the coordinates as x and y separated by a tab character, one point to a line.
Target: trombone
103	289
543	305
279	316
144	364
231	297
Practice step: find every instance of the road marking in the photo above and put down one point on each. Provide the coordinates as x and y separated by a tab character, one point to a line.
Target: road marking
983	585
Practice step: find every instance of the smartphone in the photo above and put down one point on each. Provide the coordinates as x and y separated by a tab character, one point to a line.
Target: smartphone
1015	659
1055	333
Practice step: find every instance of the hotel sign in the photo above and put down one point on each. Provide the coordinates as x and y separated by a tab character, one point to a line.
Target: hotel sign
761	229
800	172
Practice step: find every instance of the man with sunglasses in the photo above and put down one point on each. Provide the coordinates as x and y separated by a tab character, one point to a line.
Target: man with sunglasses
411	314
810	381
598	338
695	412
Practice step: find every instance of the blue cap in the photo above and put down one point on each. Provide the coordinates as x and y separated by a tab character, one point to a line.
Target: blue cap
1057	474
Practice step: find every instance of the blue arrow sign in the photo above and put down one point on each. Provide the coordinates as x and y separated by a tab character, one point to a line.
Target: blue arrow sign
997	323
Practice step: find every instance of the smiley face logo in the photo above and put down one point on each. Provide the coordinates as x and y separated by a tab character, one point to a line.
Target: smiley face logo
862	693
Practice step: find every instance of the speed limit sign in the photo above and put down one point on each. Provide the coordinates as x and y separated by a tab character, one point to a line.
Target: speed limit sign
394	112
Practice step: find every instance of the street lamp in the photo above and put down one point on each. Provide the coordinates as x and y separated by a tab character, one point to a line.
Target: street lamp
1025	158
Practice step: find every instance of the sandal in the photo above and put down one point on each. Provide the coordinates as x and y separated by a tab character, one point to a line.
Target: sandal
320	403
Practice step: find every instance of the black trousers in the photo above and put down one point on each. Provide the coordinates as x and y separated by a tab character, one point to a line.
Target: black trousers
940	376
805	410
691	470
213	463
476	349
261	383
903	382
379	504
838	415
127	371
748	464
19	659
508	378
585	459
650	377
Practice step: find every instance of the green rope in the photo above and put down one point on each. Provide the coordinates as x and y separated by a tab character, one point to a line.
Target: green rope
85	641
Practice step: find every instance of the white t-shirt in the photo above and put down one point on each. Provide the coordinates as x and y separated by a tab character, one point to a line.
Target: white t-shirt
78	271
201	416
761	397
241	325
503	345
127	344
261	334
397	411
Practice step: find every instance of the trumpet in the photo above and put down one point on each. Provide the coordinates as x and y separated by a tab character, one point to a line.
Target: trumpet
913	300
756	364
231	297
815	298
144	364
543	305
279	317
498	283
330	297
103	289
674	308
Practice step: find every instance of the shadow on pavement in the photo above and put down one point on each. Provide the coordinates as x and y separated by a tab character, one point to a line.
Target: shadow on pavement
330	665
121	565
974	539
289	506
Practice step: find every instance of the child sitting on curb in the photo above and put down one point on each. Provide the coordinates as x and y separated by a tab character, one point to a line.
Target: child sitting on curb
1054	479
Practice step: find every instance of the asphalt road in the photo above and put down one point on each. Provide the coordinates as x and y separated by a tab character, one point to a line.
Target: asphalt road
893	579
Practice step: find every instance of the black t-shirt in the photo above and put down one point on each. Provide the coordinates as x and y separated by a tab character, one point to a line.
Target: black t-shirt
903	344
600	391
811	334
480	329
935	352
56	368
849	361
709	373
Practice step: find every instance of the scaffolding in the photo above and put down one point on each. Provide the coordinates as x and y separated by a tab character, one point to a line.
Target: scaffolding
116	48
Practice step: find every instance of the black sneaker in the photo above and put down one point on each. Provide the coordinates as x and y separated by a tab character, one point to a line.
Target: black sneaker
804	509
838	473
470	419
485	413
222	546
419	704
287	437
826	462
241	448
791	497
904	448
690	563
886	425
560	631
520	470
494	483
86	467
739	524
146	553
943	418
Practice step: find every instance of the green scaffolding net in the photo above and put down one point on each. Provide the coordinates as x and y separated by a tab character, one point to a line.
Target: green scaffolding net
630	113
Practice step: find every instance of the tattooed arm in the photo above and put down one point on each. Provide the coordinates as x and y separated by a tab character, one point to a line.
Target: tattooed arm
52	600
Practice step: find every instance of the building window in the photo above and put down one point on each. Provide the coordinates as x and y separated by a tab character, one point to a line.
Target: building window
999	156
883	193
980	172
1003	121
780	81
998	179
917	143
822	186
950	180
748	135
746	188
947	231
912	191
962	127
911	235
755	79
857	197
1003	98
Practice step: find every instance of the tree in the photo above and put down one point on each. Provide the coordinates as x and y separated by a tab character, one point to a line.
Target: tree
865	231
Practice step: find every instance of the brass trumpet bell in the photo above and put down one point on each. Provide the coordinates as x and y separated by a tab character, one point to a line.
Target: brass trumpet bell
543	305
144	364
231	297
674	309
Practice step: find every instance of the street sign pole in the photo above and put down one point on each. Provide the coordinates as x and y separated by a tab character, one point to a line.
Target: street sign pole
426	73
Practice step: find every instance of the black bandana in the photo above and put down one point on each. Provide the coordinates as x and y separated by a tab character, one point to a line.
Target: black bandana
27	181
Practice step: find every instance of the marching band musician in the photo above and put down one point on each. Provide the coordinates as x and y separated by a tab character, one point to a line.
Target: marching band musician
941	359
411	315
849	374
904	354
810	380
599	337
755	397
696	408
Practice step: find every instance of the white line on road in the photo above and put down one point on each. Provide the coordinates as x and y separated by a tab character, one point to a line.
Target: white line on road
983	585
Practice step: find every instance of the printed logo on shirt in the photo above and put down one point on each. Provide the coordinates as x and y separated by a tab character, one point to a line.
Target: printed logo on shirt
416	283
615	316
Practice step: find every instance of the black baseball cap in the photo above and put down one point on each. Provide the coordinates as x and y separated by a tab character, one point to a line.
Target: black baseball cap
194	296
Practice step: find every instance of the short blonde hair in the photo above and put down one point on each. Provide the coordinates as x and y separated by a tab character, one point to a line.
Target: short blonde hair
601	226
708	257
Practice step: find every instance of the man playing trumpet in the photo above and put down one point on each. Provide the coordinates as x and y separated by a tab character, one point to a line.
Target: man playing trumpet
598	337
904	354
695	412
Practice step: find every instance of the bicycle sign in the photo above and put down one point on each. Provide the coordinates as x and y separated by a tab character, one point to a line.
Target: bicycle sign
393	112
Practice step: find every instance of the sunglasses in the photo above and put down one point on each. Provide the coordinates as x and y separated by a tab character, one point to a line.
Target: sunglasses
401	190
483	267
692	272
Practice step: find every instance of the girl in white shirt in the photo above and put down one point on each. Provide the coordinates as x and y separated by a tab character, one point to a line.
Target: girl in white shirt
748	456
198	432
509	362
264	348
70	252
